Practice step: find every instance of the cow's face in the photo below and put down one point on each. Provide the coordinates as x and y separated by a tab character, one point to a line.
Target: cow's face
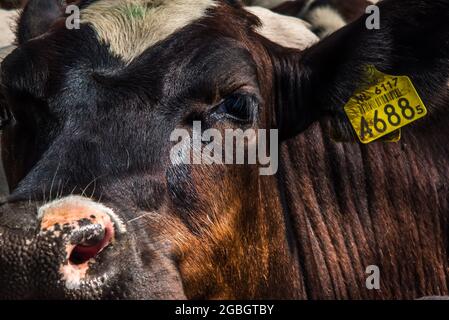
99	209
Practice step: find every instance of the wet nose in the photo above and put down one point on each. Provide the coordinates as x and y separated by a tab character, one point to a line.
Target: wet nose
85	227
59	247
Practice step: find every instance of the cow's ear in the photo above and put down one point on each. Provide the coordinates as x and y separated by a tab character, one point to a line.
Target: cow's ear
37	18
413	40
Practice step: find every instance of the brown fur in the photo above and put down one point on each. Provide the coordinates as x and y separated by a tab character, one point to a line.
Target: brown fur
332	209
349	205
384	204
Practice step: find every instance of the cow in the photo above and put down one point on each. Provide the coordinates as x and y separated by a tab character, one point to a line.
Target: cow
325	16
98	209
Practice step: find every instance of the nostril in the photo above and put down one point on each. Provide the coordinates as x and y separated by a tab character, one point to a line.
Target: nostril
88	242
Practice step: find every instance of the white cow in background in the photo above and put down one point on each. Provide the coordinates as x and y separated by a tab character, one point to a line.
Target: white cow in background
7	20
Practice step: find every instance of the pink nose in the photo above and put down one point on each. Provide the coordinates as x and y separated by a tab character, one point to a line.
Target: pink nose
92	227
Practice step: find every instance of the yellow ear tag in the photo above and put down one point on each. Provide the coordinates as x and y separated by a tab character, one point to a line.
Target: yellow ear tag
382	105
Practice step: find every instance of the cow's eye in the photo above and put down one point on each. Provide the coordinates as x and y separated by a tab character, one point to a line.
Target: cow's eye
237	107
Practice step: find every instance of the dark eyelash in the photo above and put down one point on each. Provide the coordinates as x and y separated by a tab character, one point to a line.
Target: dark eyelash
238	107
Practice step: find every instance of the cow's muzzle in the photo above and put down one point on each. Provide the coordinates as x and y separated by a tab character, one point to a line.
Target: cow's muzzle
60	249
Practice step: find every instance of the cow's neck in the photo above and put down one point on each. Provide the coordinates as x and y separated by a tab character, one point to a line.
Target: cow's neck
385	204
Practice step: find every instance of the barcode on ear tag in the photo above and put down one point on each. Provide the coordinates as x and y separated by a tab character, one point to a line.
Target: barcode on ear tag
383	105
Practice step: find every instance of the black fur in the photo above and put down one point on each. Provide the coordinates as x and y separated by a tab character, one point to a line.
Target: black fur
86	122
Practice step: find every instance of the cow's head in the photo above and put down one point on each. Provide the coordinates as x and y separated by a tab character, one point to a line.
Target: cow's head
98	207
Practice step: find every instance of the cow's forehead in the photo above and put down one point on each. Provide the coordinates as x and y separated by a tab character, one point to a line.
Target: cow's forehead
130	27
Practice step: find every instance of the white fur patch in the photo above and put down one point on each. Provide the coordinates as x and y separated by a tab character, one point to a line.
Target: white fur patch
7	21
132	26
325	19
5	51
284	30
74	277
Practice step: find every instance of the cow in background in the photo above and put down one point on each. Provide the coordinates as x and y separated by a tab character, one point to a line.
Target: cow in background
12	4
325	16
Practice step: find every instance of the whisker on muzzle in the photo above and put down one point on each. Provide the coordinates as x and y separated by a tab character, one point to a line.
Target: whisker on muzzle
139	217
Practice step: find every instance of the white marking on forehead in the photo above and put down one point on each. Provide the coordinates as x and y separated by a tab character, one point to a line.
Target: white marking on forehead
132	26
284	30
